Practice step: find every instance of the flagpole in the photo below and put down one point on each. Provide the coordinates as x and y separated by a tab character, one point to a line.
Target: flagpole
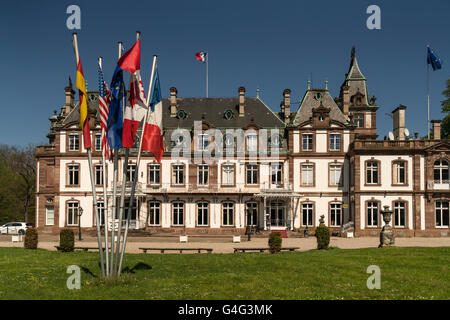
94	194
428	95
207	57
105	199
135	177
114	206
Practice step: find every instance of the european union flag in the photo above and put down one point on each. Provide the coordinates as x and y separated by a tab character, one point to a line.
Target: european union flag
432	59
115	116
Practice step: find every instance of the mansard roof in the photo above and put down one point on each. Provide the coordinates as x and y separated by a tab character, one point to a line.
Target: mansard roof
211	110
310	101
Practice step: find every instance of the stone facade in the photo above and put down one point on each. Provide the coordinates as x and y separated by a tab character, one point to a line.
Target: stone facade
327	162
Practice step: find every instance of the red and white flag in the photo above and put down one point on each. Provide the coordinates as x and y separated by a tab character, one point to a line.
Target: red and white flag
104	99
135	109
153	139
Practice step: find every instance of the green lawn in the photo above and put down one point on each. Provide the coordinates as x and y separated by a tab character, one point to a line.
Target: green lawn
406	273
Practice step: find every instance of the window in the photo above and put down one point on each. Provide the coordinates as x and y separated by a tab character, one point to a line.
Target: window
358	119
276	170
399	172
227	213
154	173
73	171
228	174
154	213
203	174
98	142
307	174
252	174
252	213
372	214
228	141
98	174
203	142
307	214
74	142
441	171
131	169
178	174
442	213
335	214
335	142
101	211
49	215
307	142
202	213
72	213
336	174
372	172
399	214
252	143
178	213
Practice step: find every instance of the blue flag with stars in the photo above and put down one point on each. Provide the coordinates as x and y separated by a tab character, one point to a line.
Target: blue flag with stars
432	59
115	116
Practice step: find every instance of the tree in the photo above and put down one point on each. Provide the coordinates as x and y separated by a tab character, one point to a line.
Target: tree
445	124
18	174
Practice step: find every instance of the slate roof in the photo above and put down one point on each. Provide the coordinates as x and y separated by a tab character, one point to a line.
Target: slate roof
211	109
308	102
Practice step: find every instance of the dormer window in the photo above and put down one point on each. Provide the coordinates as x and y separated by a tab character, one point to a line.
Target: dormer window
318	96
321	118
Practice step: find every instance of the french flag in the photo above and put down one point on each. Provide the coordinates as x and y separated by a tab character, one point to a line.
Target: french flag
201	56
135	109
153	140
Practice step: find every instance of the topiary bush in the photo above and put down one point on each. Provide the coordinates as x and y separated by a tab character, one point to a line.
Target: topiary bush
31	239
66	240
322	235
275	241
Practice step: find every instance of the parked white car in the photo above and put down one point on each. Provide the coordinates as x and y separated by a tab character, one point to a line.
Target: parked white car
13	228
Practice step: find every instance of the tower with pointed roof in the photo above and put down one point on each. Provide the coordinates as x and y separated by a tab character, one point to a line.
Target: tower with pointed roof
355	103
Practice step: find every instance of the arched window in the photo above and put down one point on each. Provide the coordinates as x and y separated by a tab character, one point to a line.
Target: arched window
441	171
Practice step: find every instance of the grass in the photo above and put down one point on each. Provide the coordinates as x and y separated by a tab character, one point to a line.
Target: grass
406	273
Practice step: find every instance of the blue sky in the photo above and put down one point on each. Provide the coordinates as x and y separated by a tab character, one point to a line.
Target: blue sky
272	45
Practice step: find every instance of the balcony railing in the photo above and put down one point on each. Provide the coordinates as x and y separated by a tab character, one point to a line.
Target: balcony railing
438	185
393	144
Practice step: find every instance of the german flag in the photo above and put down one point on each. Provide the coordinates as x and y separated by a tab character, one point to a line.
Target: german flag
84	119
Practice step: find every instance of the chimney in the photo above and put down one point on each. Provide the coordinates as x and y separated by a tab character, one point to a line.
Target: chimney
70	94
287	103
173	101
436	129
241	101
399	122
345	100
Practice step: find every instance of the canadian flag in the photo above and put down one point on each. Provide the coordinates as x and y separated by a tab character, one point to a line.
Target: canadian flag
153	140
135	110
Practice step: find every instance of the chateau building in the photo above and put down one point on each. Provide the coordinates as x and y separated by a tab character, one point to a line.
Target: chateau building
230	163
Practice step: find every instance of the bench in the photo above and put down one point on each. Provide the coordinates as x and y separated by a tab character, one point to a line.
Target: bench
243	250
81	248
199	250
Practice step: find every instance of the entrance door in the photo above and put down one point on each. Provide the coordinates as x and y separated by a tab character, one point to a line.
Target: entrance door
133	218
277	214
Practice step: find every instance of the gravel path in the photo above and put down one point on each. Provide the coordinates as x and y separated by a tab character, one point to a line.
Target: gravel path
224	245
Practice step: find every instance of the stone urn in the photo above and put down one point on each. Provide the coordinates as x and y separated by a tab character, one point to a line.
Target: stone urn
387	237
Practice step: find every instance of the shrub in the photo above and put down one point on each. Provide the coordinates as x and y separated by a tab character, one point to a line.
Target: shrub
275	242
66	240
322	235
31	239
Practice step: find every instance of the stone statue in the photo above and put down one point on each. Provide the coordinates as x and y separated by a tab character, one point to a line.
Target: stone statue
387	237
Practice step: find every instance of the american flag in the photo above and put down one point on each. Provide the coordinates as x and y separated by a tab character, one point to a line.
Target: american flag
104	99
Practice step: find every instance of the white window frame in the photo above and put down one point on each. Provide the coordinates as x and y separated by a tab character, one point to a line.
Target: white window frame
131	169
203	174
251	213
156	170
228	213
373	167
73	170
101	211
202	213
399	206
98	142
98	174
252	168
441	209
336	211
154	210
178	174
49	215
74	141
441	167
276	173
307	142
398	167
252	143
203	142
335	141
372	211
308	209
72	209
336	174
307	170
228	174
178	213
